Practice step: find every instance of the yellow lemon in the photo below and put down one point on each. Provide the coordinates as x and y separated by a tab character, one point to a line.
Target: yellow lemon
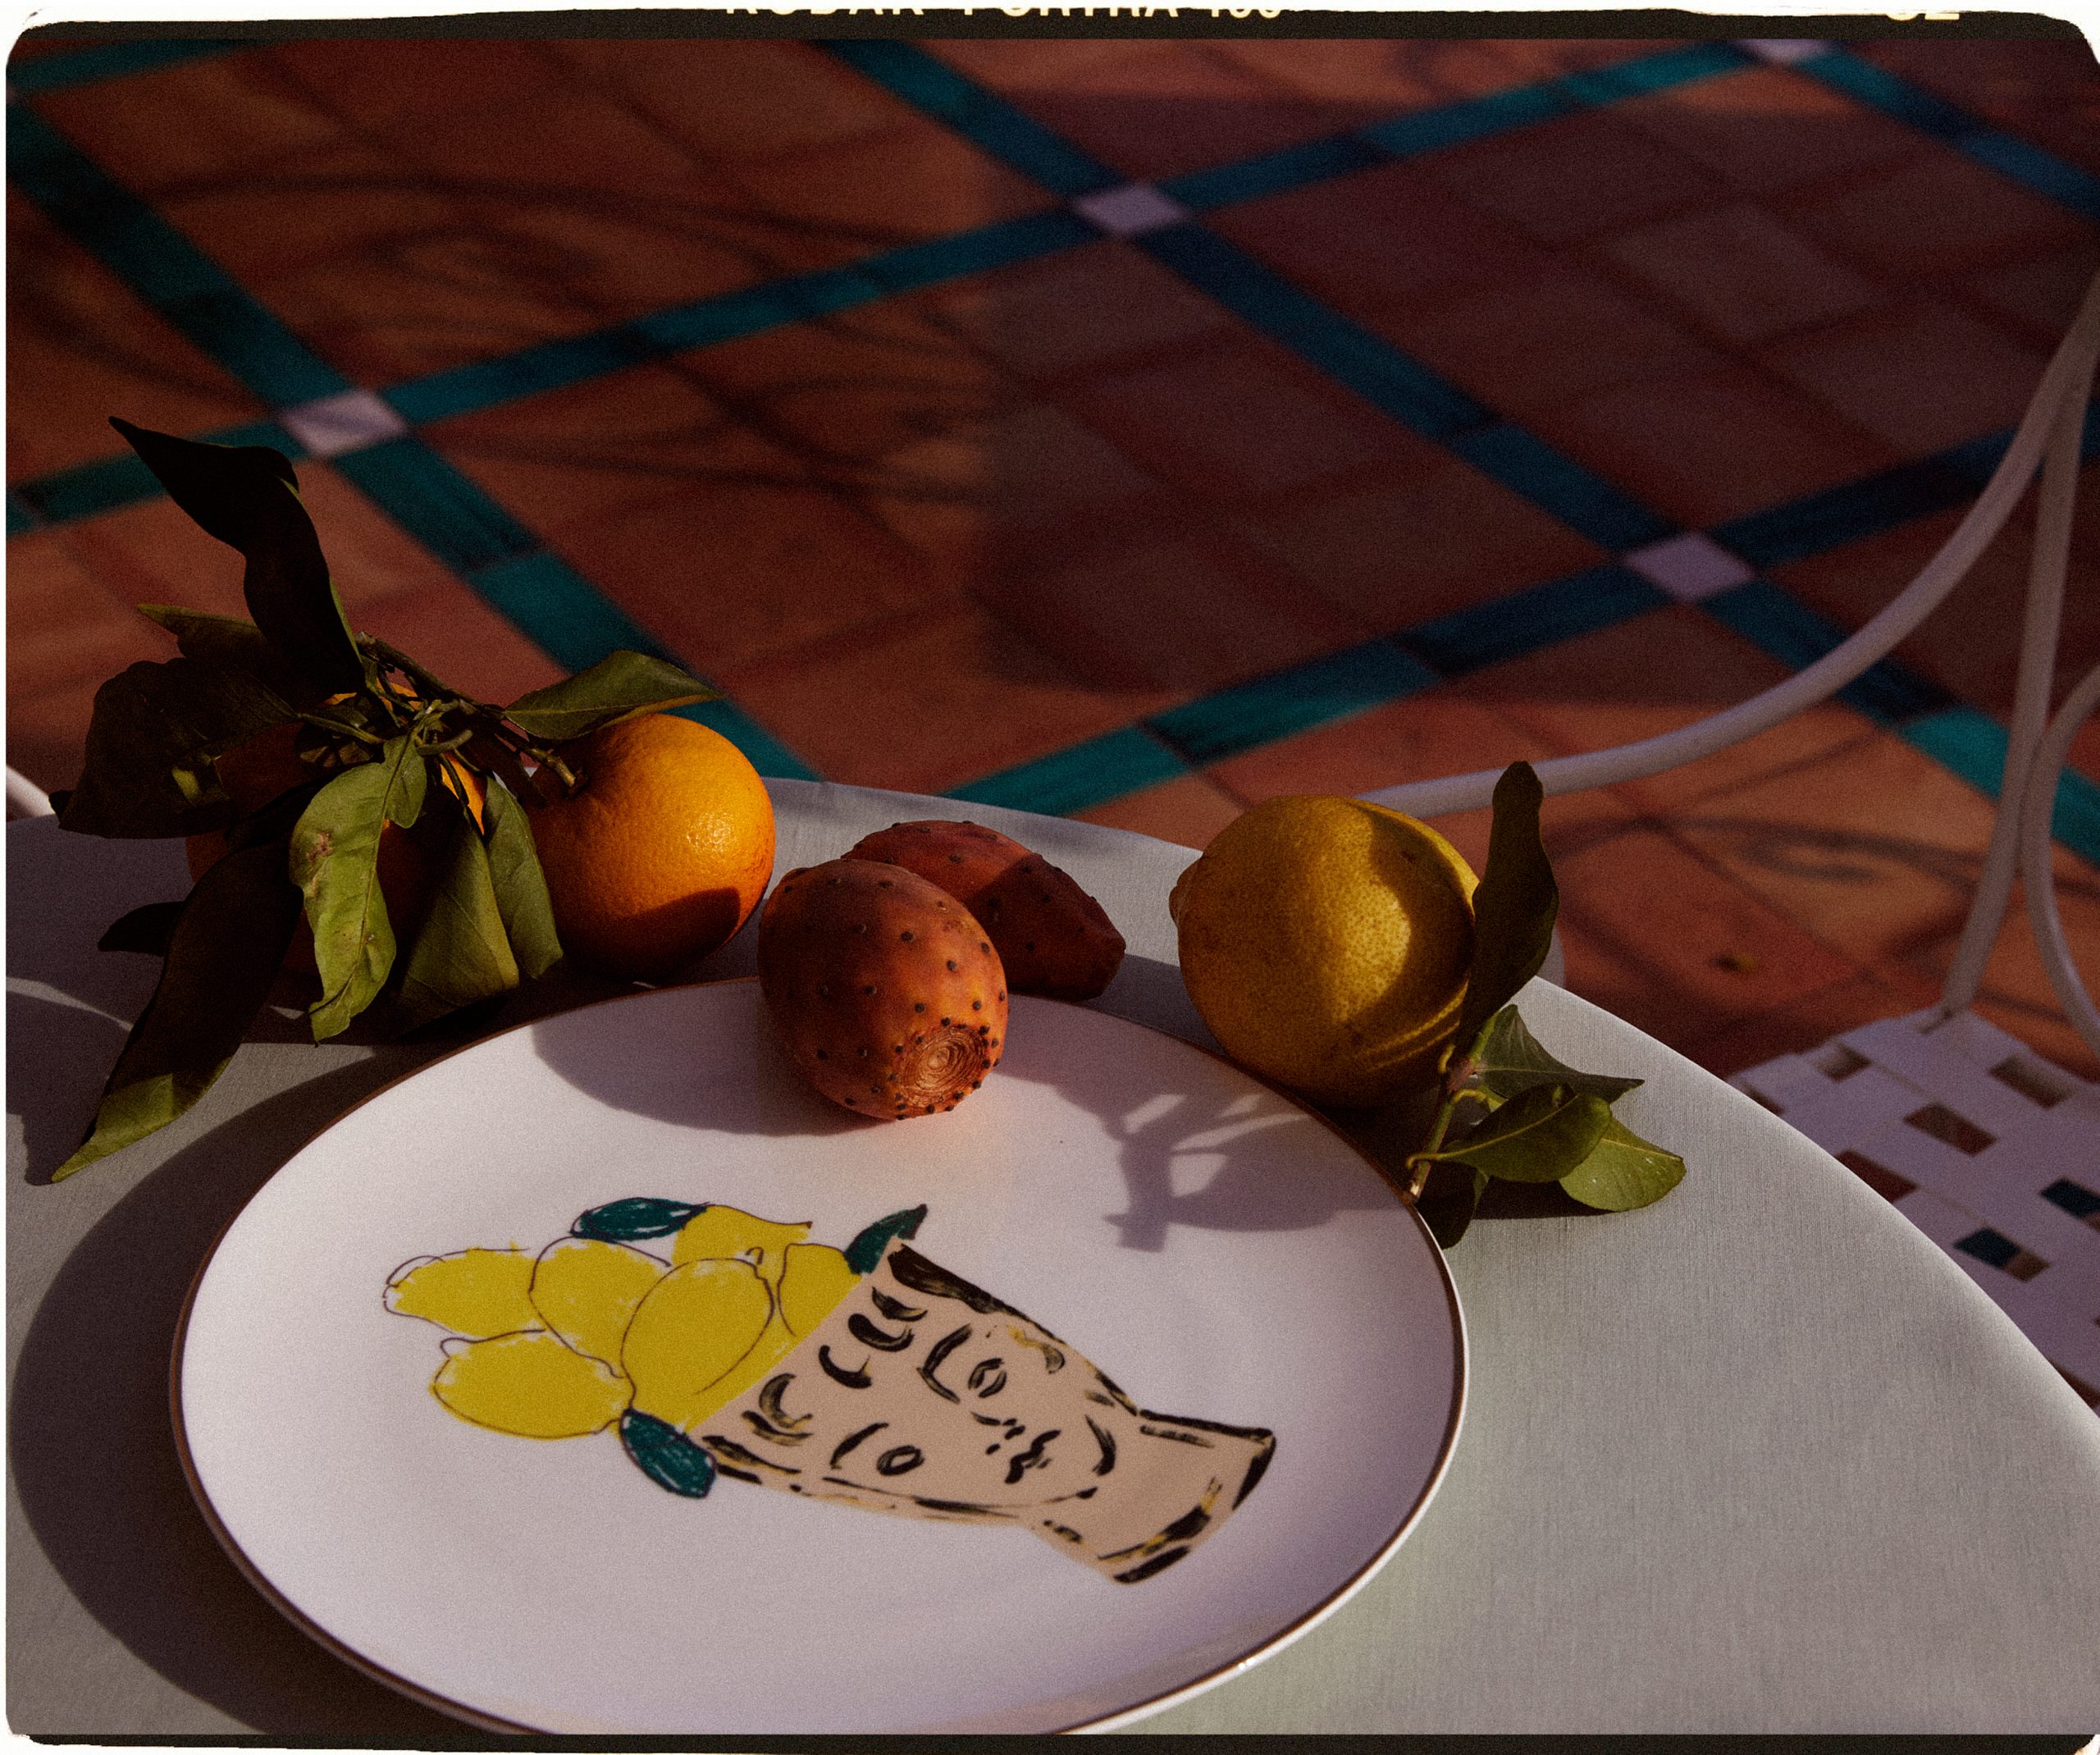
697	1322
772	1347
472	1292
587	1290
1325	943
724	1231
814	1278
530	1385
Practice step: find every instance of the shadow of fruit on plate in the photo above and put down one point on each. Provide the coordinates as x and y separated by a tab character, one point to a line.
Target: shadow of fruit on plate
717	1343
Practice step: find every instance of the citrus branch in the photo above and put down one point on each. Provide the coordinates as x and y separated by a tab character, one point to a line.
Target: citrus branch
341	728
517	741
426	685
1457	1089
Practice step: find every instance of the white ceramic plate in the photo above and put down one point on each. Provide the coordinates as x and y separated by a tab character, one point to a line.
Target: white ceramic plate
1218	1251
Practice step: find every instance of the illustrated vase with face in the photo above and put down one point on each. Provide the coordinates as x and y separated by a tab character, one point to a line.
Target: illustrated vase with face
875	1377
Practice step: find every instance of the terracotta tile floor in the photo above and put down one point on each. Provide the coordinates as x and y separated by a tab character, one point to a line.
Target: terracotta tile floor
801	358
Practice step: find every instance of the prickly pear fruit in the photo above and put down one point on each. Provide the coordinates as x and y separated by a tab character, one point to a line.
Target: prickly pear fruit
1054	938
885	990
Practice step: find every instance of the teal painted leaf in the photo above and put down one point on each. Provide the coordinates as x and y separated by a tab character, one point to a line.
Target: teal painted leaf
865	1251
623	686
335	855
639	1216
1510	1060
521	887
247	495
222	956
1515	906
1538	1136
155	730
1623	1170
460	953
666	1455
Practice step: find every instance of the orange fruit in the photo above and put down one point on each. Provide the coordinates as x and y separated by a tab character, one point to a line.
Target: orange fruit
662	853
258	768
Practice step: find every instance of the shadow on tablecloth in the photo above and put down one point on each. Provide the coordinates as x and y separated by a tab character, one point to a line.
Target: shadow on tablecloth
94	1458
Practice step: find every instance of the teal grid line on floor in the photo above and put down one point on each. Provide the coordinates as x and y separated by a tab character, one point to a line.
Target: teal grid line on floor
566	616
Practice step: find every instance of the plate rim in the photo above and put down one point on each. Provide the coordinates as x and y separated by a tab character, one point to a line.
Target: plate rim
1121	1717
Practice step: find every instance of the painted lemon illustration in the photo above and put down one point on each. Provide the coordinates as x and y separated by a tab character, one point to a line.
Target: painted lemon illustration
717	1343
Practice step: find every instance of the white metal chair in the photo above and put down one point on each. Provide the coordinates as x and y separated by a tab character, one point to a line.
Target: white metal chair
25	798
1993	1152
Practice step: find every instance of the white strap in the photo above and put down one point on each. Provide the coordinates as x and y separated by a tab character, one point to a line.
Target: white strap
2037	868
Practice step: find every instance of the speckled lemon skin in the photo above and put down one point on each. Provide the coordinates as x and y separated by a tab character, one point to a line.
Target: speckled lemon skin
1325	943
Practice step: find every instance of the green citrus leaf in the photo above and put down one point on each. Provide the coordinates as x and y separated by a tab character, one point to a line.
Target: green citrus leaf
1538	1136
222	956
521	887
1510	1060
1449	1199
1515	906
247	495
624	686
229	640
335	855
460	953
150	743
147	929
1624	1172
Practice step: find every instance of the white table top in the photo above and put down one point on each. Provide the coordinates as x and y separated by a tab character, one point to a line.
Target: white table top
1758	1458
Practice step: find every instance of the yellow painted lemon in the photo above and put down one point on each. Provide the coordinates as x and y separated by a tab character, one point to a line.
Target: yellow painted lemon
773	1345
696	1324
1325	941
530	1385
587	1290
815	1278
724	1232
472	1292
